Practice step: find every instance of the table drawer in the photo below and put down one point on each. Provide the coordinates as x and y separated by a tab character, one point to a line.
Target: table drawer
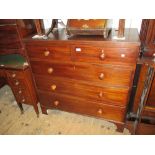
14	74
73	104
104	55
49	52
9	38
104	75
107	95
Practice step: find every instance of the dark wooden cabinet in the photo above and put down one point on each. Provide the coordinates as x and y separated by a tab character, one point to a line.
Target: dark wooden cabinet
86	75
12	65
12	32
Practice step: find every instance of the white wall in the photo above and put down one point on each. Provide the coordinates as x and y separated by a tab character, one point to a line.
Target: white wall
129	23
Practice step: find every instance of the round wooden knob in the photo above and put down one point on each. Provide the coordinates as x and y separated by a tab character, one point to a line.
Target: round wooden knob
50	70
100	111
46	53
100	94
122	55
53	87
101	76
56	103
102	56
17	83
13	75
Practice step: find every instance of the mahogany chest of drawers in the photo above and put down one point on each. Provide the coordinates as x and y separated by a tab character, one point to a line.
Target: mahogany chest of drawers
86	75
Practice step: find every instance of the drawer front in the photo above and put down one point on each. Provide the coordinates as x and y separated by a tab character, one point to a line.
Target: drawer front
104	75
9	38
49	53
71	104
104	55
107	95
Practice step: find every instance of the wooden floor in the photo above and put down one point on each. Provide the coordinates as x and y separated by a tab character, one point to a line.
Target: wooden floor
57	122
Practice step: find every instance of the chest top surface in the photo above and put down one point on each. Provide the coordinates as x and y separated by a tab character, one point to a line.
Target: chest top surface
60	35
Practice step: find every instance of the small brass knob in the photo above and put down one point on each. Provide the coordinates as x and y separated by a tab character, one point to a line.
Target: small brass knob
46	53
50	70
17	83
53	87
19	91
23	100
56	103
13	75
153	54
100	94
101	76
100	111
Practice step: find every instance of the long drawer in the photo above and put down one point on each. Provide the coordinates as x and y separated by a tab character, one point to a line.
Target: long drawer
104	55
49	52
106	95
71	104
105	75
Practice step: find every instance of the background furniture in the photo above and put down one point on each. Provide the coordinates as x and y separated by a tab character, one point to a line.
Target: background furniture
147	36
12	32
14	69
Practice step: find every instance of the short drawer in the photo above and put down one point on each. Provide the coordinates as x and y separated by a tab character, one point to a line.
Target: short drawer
104	54
107	95
57	53
9	38
73	104
14	74
102	74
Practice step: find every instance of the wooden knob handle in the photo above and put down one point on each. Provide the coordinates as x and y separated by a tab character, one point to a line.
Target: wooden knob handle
101	76
53	87
102	55
50	70
13	75
122	55
46	53
100	111
56	103
100	94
